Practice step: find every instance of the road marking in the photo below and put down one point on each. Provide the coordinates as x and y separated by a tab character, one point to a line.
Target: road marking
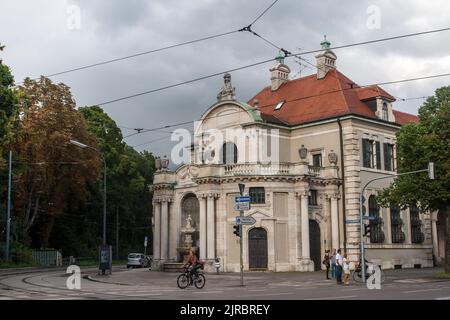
442	298
422	290
257	290
333	298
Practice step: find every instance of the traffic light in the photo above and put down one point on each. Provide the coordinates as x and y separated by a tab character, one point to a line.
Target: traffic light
237	230
367	230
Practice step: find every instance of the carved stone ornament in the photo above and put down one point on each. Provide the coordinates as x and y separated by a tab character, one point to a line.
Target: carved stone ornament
332	157
303	152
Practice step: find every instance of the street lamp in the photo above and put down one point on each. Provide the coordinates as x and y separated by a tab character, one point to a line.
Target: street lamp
84	146
430	171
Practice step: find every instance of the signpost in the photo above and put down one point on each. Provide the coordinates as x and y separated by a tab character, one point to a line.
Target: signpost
242	202
245	220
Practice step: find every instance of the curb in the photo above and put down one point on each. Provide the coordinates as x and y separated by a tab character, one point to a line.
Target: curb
91	278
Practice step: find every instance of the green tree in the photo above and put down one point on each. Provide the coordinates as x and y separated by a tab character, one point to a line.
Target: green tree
129	174
417	144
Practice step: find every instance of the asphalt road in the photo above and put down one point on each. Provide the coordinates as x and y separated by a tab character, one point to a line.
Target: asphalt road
407	284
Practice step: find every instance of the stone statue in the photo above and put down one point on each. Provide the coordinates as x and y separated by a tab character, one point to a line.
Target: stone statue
189	222
227	91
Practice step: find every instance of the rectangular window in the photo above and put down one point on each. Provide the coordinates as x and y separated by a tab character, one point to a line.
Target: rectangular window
257	195
371	154
367	151
389	164
312	198
317	160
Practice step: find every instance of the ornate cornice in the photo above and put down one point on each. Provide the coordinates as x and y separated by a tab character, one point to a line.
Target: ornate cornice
161	186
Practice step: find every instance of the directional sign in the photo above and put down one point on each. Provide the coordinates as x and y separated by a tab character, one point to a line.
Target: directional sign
245	220
242	199
352	221
243	206
242	203
370	218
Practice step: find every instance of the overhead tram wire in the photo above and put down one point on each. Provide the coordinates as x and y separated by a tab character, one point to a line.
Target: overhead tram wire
134	55
150	51
268	60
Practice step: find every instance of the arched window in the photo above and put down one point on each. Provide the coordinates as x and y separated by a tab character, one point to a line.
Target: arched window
384	114
229	153
416	225
375	221
396	225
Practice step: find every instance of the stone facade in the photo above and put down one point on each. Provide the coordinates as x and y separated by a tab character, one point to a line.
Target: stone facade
300	212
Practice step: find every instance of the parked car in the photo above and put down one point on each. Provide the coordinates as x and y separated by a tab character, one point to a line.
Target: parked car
135	260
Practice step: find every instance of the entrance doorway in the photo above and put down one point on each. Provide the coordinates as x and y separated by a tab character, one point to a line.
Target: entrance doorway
257	248
314	244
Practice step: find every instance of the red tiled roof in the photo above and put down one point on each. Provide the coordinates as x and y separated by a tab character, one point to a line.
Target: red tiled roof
403	118
308	99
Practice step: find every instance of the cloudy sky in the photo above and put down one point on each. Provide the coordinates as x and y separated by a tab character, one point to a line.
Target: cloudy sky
48	36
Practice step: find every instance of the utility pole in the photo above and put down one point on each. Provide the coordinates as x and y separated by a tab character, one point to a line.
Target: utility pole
117	233
8	209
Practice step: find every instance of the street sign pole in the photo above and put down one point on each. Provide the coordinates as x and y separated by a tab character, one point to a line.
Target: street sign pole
241	214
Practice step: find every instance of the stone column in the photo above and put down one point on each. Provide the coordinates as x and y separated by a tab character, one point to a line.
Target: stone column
211	232
334	222
157	234
202	203
305	226
165	229
434	236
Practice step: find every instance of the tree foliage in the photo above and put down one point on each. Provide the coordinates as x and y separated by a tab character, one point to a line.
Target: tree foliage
54	172
417	144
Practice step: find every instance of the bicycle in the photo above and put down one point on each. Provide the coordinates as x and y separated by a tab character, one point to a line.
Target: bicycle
188	279
357	273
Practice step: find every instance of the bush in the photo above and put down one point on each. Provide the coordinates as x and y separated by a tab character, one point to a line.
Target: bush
21	254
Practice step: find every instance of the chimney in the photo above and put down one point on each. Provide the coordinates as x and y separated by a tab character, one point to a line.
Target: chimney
279	72
326	60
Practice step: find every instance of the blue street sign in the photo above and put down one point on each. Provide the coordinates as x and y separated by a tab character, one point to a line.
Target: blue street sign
242	199
352	221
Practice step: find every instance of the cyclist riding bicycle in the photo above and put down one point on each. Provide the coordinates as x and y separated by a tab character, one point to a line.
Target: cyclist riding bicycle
192	263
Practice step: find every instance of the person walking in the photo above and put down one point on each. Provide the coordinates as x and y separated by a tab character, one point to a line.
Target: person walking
346	268
333	264
339	264
326	262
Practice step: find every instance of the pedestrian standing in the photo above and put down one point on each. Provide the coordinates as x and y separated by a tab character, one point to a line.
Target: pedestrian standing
333	264
339	264
326	262
346	268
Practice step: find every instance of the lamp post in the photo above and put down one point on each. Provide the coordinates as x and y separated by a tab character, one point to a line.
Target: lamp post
430	171
84	146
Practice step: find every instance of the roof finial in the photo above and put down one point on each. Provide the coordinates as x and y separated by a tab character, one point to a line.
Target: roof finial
325	43
280	57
